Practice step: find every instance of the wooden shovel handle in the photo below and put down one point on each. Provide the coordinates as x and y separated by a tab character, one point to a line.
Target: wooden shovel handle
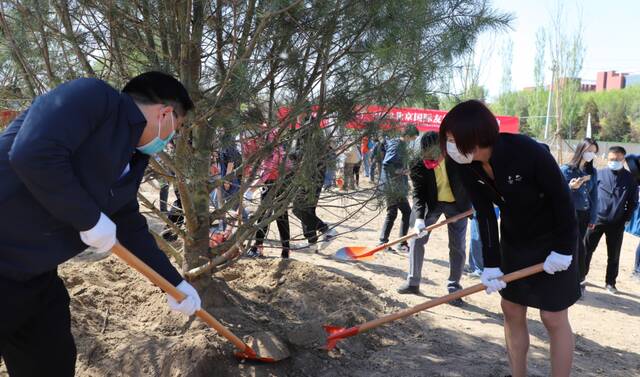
167	287
450	297
409	236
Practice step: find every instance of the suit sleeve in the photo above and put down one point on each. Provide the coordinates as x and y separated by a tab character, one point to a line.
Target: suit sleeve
420	188
54	128
593	197
632	201
486	215
133	233
552	183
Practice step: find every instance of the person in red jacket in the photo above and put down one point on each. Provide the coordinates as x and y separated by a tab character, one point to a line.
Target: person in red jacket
268	175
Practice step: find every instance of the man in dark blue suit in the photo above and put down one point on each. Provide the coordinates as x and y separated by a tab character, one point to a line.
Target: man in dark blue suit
70	168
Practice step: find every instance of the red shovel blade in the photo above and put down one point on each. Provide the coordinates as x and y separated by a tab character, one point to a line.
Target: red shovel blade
337	333
353	252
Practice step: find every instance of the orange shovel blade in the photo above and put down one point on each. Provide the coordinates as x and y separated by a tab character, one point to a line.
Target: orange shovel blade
354	252
338	333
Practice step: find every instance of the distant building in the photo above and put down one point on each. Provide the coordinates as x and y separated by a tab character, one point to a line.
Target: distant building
587	87
609	80
584	86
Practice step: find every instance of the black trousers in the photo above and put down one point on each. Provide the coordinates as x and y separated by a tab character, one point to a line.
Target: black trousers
282	221
356	173
35	327
401	204
304	208
583	223
164	196
614	233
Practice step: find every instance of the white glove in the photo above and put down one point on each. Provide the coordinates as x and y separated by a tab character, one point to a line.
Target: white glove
191	302
490	279
248	195
102	236
418	228
556	262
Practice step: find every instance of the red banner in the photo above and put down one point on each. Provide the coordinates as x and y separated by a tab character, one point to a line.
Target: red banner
424	119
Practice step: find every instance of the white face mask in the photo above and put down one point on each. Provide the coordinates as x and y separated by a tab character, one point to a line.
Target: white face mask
615	165
588	156
454	153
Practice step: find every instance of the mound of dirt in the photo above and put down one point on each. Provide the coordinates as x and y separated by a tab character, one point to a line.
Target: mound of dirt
123	326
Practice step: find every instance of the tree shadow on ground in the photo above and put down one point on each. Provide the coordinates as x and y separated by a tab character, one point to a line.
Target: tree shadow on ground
378	269
438	262
612	302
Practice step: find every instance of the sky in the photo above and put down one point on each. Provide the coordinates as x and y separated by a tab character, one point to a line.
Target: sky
609	30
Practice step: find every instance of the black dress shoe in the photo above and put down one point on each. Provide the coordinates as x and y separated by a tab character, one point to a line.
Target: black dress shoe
454	287
169	235
409	289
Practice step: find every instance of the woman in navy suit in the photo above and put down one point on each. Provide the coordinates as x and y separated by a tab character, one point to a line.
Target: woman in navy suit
538	225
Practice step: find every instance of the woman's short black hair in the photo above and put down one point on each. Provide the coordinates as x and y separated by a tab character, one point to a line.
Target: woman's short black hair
472	125
159	88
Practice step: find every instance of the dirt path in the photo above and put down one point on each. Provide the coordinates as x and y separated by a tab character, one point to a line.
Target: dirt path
468	341
123	328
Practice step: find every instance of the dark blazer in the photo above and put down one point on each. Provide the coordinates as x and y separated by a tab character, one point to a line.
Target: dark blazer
425	189
617	196
532	194
61	163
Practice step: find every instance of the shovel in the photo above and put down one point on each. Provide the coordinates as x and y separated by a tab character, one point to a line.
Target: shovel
365	253
270	349
338	333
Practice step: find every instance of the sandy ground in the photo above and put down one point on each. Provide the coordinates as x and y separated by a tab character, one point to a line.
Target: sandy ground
123	327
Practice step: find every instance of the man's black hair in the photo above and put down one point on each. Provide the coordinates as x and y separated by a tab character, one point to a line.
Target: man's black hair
429	139
254	116
410	130
617	149
159	88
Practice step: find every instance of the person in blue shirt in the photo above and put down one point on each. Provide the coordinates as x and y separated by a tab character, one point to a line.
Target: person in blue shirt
583	183
395	181
376	156
70	169
617	200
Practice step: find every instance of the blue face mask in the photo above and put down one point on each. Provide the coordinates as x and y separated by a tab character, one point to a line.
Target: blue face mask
157	144
615	165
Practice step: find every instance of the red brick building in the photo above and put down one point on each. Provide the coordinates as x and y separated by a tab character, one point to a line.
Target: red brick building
610	80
